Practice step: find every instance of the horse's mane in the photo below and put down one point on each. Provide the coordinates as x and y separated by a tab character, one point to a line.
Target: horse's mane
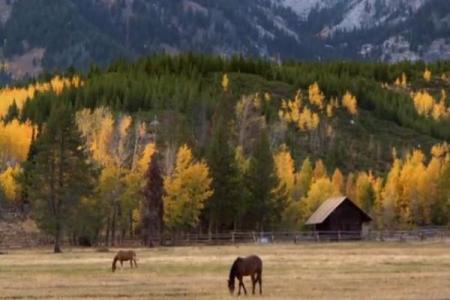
233	269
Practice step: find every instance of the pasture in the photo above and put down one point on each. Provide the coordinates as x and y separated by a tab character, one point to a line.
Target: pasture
305	271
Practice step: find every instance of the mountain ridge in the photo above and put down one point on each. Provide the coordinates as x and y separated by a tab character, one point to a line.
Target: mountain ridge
79	33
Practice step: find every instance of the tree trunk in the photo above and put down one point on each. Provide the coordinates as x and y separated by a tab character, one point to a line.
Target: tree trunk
113	227
152	228
131	224
57	246
107	232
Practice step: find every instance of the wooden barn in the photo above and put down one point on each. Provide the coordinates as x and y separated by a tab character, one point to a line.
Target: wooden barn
339	218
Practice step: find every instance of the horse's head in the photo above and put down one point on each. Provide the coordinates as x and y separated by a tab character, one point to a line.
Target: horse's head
231	286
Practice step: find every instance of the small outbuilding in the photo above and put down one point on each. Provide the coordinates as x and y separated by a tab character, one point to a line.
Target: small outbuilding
339	217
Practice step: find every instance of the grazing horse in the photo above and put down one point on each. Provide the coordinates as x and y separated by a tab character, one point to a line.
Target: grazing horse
124	256
246	266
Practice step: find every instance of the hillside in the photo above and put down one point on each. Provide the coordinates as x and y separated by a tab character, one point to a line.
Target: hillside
82	32
225	144
189	89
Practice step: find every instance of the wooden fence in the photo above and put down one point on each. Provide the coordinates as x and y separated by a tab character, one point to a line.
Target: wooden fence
296	237
253	237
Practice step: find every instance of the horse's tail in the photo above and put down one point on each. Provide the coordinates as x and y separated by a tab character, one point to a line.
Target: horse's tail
114	263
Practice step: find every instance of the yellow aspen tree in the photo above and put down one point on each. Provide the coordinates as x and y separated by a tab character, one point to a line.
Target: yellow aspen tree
440	150
316	97
304	119
404	80
409	203
330	112
427	185
225	83
424	103
377	186
320	190
187	191
10	187
440	110
350	103
391	194
20	94
427	75
97	128
315	120
320	170
338	182
146	155
290	109
305	176
285	168
15	140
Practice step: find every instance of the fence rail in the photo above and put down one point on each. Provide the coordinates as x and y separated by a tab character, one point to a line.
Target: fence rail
296	237
272	237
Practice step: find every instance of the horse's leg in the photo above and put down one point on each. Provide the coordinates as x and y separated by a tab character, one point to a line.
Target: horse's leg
260	282
239	290
253	283
121	264
131	263
135	263
241	281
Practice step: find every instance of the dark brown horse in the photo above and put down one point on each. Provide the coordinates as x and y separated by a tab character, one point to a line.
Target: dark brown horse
246	266
124	256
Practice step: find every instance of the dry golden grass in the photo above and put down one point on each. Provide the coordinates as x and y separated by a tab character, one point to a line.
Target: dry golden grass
308	271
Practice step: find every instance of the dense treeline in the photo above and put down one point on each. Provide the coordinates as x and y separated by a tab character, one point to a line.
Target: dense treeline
149	84
200	143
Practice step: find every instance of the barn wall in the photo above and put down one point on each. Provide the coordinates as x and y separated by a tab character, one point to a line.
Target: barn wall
345	218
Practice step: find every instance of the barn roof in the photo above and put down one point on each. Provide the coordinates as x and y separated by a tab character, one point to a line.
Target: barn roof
328	207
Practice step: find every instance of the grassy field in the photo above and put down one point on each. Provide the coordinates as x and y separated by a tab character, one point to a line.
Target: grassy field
311	271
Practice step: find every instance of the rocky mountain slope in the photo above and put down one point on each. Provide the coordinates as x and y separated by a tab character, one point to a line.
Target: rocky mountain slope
56	34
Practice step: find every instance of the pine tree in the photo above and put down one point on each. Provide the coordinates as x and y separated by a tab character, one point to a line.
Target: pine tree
266	202
59	174
13	113
441	207
222	209
153	210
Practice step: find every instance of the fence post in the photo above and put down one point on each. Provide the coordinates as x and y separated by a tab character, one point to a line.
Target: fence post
233	240
422	236
339	235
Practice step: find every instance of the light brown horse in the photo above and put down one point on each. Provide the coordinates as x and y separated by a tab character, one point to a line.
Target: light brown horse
247	266
124	256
